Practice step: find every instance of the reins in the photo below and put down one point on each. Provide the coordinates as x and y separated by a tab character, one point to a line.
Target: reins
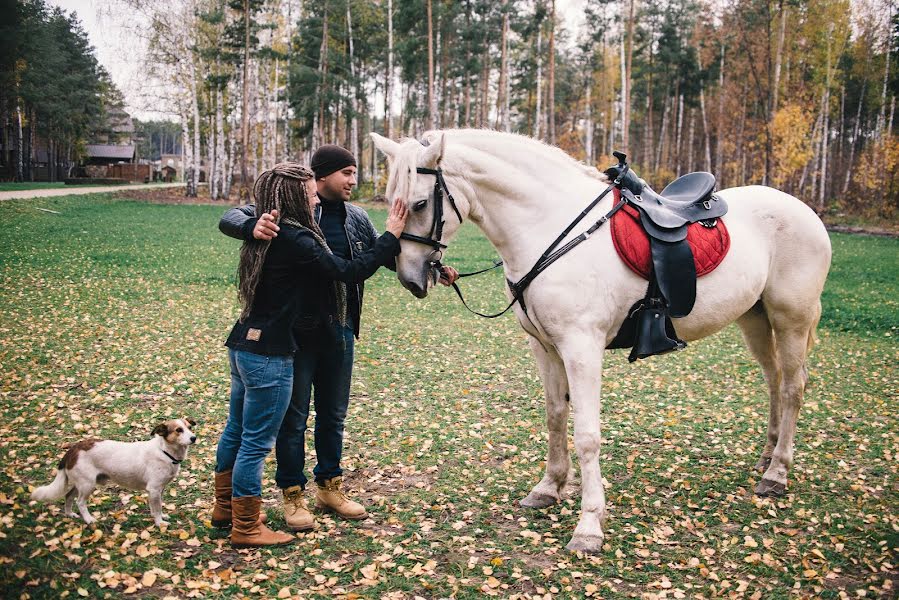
549	256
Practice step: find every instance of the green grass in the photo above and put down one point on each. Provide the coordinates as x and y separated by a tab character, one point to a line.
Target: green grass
29	185
114	313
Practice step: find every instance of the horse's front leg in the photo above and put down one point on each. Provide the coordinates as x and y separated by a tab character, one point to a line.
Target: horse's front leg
583	365
558	463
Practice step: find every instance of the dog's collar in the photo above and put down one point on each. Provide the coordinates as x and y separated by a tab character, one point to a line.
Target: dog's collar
174	460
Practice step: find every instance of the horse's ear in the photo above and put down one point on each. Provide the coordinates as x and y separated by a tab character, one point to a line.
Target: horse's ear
434	150
385	145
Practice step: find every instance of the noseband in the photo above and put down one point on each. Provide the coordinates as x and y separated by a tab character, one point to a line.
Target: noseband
436	231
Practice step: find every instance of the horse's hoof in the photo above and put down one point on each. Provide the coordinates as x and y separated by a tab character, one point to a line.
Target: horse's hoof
588	544
766	488
762	465
537	500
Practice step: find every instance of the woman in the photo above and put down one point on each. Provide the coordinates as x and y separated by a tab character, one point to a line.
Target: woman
292	279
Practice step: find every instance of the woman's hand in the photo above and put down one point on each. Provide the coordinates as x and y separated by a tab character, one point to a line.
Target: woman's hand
396	218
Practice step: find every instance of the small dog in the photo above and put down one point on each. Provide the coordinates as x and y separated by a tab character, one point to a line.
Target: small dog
148	465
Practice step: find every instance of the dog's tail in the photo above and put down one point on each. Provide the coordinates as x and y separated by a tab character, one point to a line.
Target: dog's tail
54	490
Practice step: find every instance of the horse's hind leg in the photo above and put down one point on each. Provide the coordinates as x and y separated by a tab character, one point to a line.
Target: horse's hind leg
558	461
759	337
793	338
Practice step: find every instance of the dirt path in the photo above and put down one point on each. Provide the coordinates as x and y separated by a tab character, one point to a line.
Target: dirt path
77	190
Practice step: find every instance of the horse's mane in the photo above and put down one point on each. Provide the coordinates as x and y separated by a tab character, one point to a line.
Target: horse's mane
486	139
403	175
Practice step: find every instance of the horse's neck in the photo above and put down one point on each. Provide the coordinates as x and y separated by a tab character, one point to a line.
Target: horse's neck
522	211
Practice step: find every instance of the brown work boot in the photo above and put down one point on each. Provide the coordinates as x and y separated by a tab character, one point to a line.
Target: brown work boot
247	530
296	513
221	512
329	497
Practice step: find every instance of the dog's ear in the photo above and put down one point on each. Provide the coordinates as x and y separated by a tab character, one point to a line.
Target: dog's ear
189	421
161	429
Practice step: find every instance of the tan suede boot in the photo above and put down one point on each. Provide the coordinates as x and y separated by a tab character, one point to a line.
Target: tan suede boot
296	513
329	497
247	530
221	512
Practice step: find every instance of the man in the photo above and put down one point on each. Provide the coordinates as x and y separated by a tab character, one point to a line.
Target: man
327	367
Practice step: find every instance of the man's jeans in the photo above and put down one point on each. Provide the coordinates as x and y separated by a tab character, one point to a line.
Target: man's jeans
260	394
326	364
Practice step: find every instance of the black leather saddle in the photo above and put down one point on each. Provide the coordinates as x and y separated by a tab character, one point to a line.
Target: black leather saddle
687	199
672	286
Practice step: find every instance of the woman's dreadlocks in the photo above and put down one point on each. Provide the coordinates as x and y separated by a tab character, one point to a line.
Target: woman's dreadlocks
281	188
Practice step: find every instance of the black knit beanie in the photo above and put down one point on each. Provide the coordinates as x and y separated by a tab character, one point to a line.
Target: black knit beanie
330	158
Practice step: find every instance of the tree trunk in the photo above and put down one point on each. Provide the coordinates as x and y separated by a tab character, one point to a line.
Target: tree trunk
825	130
588	120
689	167
221	173
881	116
626	81
622	63
432	101
502	96
20	145
245	108
538	111
719	133
705	132
388	87
318	123
779	56
485	88
678	133
647	142
32	133
211	160
466	75
354	120
551	99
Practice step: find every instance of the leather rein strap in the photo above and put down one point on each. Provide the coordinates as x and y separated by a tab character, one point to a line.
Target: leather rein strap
549	256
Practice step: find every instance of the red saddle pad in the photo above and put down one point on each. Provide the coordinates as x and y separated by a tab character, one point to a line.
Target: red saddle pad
709	244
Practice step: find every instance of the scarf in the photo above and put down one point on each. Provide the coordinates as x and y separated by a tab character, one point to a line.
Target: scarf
338	287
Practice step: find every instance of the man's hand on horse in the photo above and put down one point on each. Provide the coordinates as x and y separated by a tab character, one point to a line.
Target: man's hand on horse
266	228
448	275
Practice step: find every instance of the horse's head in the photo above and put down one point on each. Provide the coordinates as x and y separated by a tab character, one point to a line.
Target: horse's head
435	214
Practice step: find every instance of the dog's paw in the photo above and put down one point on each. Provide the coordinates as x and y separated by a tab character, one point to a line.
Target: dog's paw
89	521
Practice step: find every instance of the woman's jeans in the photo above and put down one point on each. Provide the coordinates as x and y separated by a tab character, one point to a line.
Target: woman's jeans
260	394
326	364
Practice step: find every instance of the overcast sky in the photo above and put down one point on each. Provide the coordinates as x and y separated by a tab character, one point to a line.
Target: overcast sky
121	55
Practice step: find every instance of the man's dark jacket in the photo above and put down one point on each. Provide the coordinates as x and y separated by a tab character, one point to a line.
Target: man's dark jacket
361	234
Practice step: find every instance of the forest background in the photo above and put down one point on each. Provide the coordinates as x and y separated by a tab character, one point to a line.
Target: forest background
797	94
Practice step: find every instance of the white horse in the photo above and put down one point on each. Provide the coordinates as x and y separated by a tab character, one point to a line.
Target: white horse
522	193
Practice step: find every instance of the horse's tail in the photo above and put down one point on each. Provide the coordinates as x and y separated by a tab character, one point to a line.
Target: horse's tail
54	490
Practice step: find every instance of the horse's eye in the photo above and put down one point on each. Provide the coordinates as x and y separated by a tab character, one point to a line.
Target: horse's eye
420	205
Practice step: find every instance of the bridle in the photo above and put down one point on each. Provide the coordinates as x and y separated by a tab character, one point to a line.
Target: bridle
549	256
436	231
